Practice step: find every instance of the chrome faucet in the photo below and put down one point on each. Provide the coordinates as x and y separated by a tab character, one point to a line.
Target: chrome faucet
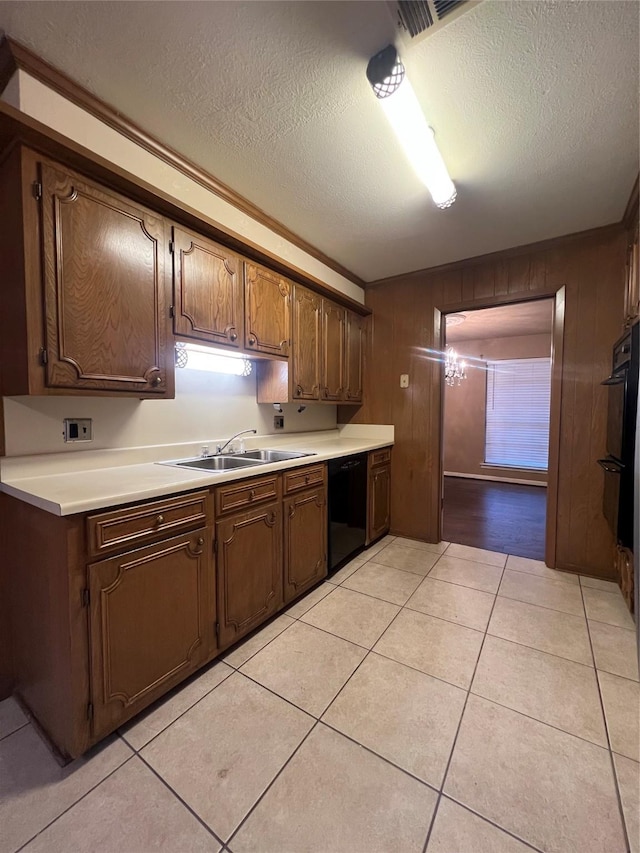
221	447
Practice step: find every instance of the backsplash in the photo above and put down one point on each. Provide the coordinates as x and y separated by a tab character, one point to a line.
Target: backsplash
206	406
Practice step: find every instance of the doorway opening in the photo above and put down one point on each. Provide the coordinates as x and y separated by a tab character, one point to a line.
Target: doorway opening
496	427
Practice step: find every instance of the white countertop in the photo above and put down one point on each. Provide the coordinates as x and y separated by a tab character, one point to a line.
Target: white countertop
91	480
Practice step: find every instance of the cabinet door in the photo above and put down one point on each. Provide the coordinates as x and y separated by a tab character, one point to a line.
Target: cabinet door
333	322
354	355
632	295
249	570
106	307
207	290
306	344
267	301
379	501
305	541
152	622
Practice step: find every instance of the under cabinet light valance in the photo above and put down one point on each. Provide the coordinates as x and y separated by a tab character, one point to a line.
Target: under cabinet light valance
196	357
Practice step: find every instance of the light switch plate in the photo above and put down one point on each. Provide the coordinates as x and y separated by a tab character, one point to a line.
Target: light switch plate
404	380
78	429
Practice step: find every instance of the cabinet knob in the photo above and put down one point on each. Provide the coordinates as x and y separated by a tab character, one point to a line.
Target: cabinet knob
325	392
252	341
200	540
160	519
252	494
233	336
298	390
157	380
306	478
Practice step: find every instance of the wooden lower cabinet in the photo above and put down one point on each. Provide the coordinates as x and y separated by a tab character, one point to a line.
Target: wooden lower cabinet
249	570
151	623
379	500
305	541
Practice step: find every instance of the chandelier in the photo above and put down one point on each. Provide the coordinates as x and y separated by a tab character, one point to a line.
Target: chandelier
454	370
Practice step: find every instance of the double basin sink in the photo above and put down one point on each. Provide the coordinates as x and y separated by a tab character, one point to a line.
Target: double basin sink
236	460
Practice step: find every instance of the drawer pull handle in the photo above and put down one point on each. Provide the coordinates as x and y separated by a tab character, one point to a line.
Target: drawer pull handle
306	478
160	519
252	494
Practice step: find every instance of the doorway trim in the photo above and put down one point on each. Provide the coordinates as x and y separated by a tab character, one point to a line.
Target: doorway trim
555	408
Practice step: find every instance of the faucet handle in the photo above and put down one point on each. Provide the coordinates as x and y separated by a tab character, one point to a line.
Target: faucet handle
204	451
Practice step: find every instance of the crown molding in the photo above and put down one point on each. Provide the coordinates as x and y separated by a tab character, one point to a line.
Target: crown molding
541	246
15	56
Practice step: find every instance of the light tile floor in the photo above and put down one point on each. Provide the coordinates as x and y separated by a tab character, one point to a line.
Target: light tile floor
426	698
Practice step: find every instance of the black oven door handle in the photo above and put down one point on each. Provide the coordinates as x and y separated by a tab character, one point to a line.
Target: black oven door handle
610	466
615	379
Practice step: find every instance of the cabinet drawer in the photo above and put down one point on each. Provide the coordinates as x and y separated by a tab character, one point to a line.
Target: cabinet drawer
246	493
132	527
379	457
303	478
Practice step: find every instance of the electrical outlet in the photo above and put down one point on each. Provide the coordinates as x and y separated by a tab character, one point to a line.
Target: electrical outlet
278	421
78	429
404	380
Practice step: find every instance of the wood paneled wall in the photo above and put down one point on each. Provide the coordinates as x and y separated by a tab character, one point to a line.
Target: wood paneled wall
405	337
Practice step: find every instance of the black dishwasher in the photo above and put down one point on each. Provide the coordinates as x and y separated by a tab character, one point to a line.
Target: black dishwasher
347	508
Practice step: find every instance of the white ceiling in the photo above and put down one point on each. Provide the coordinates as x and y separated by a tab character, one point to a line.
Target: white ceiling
506	321
535	107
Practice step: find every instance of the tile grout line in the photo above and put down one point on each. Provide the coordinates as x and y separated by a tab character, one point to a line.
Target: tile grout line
492	823
320	721
606	729
227	843
455	738
605	747
75	802
200	820
137	750
13	731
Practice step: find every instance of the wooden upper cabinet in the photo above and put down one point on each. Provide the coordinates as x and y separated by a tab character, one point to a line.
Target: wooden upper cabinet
333	339
306	344
207	290
106	323
267	307
354	358
632	290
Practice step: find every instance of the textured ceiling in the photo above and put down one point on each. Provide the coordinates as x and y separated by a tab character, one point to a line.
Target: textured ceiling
524	318
534	104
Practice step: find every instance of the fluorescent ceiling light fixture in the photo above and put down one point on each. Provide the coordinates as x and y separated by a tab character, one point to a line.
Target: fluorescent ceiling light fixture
196	357
390	83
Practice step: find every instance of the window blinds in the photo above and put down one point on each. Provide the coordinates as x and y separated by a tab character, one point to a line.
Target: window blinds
518	398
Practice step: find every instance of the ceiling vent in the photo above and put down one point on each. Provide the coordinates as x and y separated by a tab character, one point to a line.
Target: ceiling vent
417	19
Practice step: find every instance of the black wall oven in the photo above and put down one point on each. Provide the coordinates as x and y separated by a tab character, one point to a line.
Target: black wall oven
618	500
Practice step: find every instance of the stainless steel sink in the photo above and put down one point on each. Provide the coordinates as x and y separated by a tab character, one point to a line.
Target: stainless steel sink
237	460
272	455
216	463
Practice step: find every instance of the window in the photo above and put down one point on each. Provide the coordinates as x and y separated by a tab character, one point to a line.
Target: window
518	398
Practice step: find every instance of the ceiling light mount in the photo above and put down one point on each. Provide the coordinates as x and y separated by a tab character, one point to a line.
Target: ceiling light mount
385	72
391	86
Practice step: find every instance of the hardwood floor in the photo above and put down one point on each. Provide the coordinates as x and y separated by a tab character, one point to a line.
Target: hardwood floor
504	517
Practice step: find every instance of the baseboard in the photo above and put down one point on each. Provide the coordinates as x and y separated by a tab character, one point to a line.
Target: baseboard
495	479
